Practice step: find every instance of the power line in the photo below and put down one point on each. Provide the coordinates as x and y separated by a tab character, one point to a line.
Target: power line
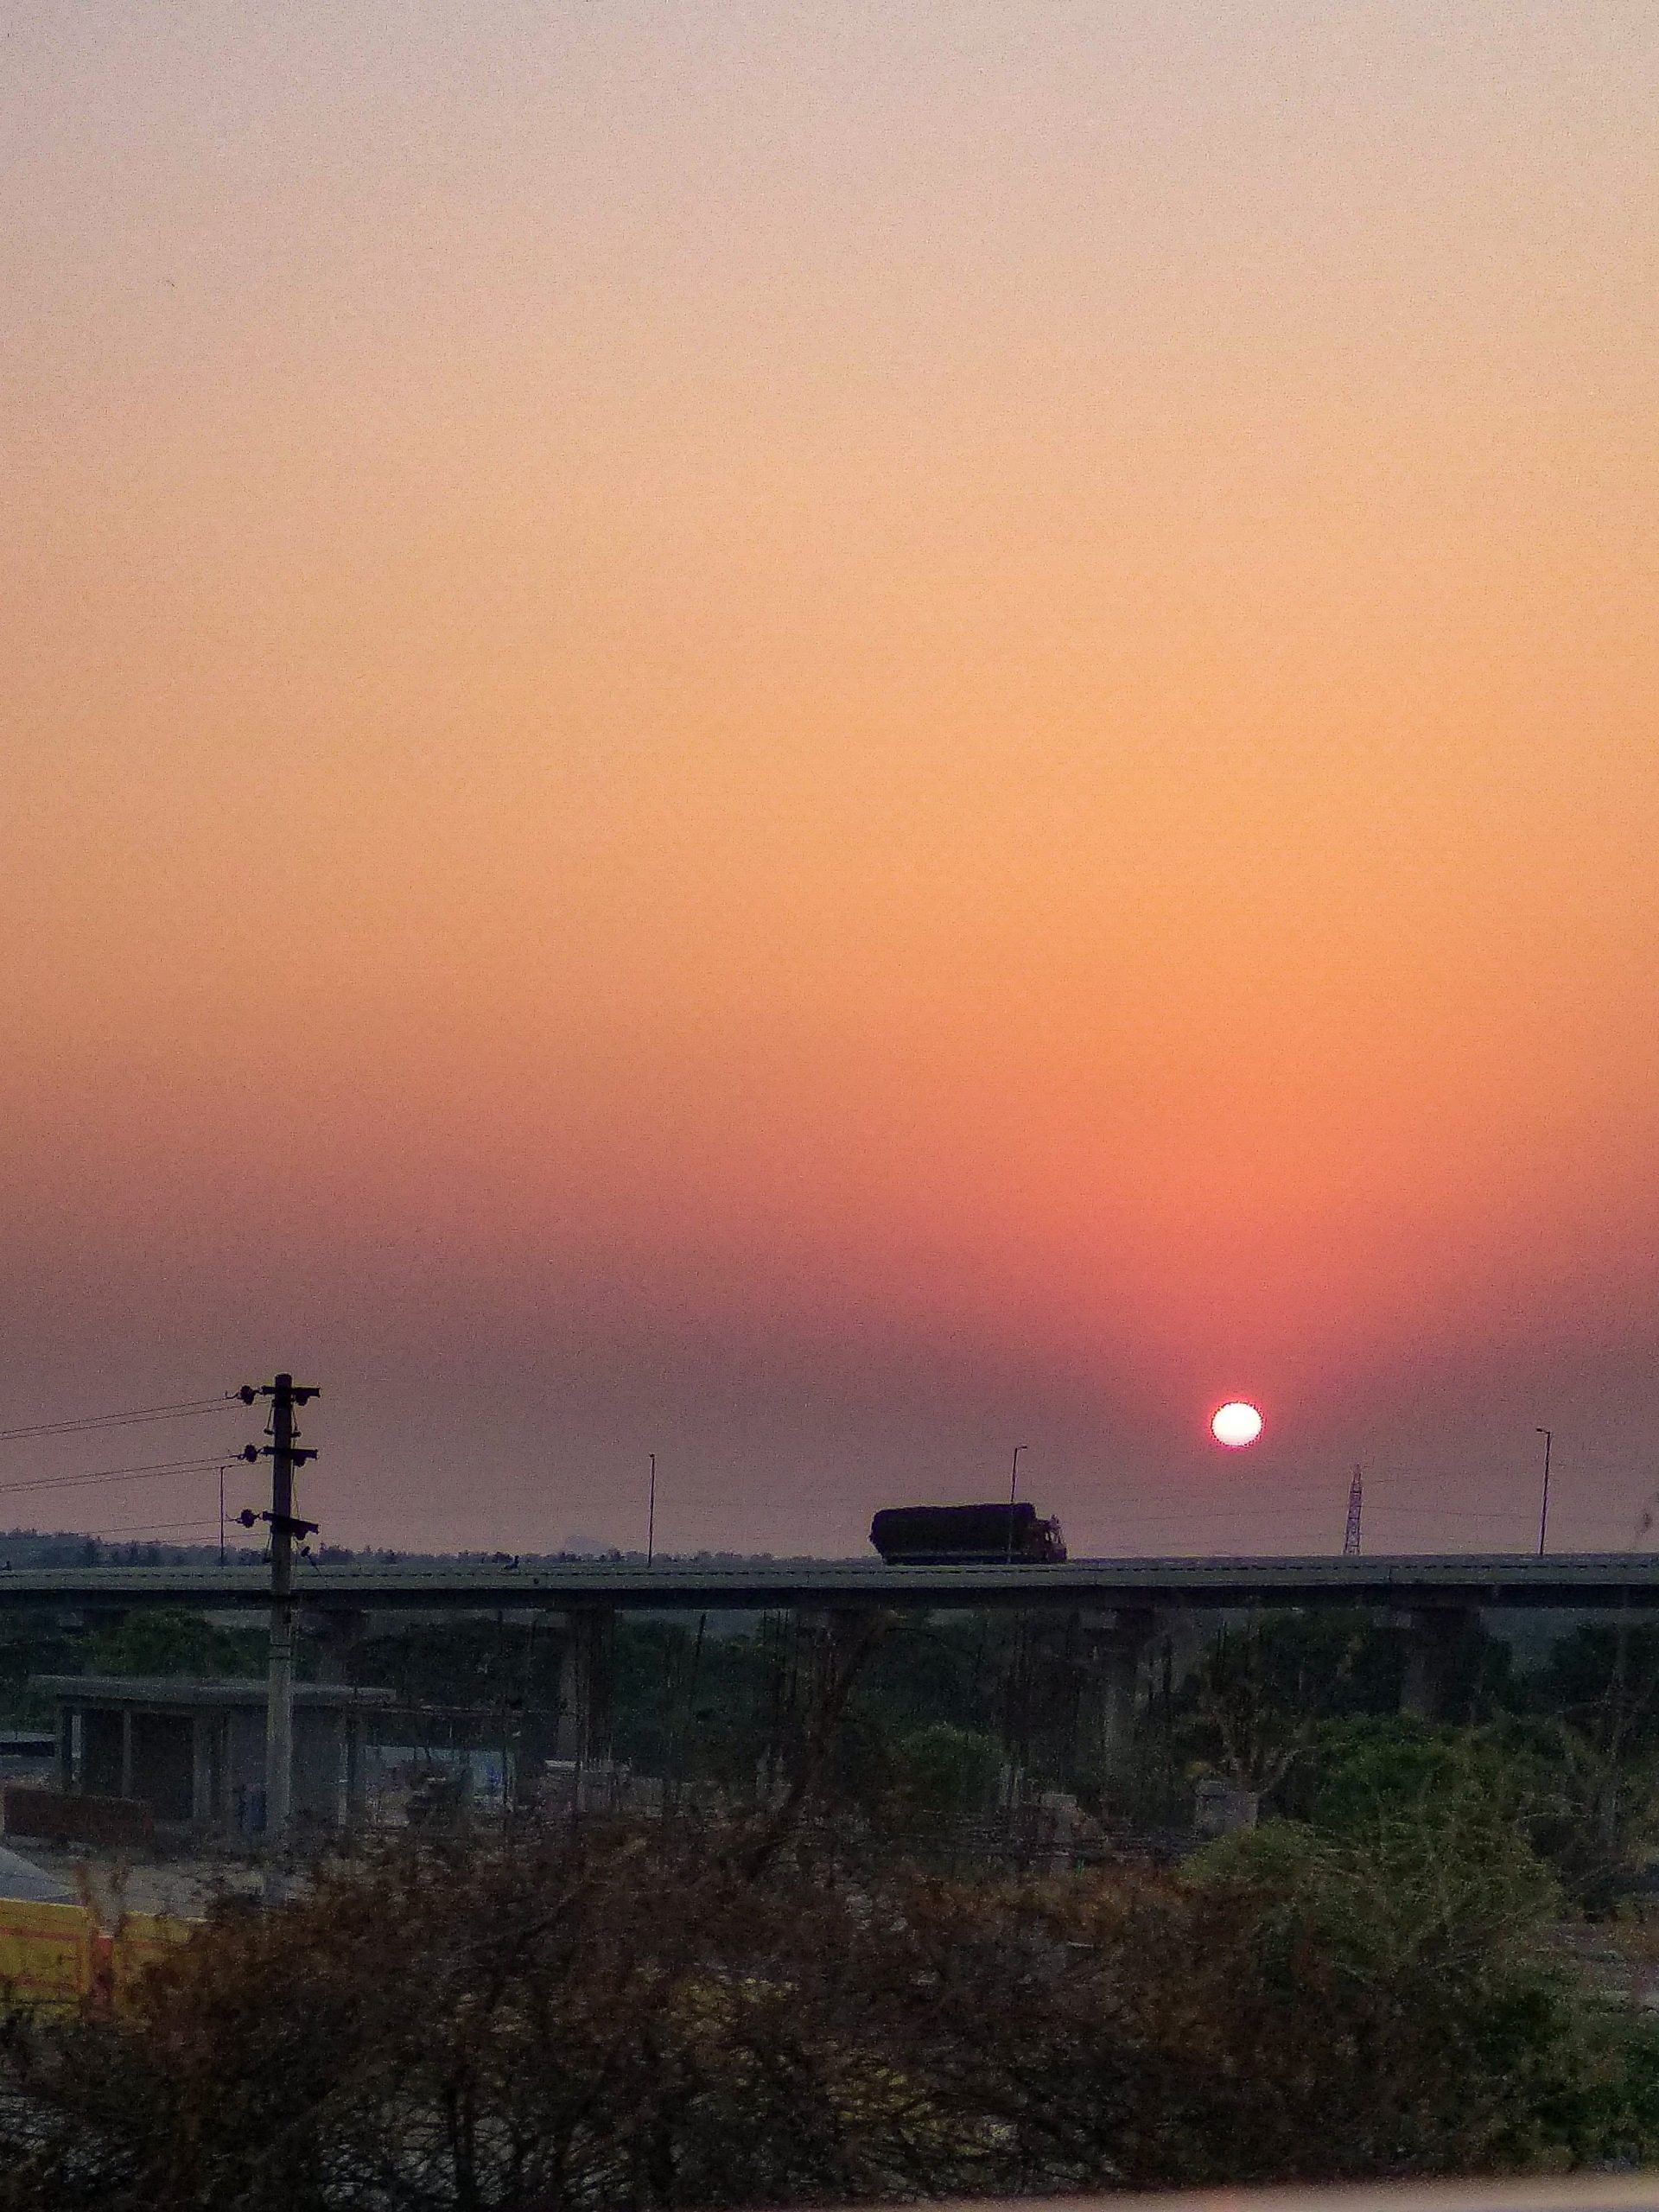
141	1528
1450	1512
183	1409
117	1475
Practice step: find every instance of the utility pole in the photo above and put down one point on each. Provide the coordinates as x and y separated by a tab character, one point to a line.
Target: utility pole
1356	1499
651	1516
1543	1516
284	1456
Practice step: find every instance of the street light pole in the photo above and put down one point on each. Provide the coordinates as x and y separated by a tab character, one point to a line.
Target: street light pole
1543	1516
1014	1484
651	1516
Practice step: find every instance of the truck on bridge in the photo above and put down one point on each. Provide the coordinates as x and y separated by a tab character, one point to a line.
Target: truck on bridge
956	1535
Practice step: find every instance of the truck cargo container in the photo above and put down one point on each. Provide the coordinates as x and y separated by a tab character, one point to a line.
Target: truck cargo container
946	1536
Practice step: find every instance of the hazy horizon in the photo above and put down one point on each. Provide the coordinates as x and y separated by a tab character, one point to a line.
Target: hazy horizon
827	739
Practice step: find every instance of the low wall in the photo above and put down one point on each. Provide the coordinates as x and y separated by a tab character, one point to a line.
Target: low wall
69	1816
46	1951
57	1955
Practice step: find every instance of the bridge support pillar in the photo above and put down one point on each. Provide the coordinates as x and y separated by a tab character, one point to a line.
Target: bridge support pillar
1117	1643
337	1633
540	1717
835	1644
837	1641
838	1638
584	1734
1440	1657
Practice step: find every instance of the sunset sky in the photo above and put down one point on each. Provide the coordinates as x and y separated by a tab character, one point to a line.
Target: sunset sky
823	737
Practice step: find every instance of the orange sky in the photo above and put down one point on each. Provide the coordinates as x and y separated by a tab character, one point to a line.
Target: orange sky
826	737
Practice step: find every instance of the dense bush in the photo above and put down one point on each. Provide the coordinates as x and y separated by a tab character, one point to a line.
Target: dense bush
1590	1812
624	2021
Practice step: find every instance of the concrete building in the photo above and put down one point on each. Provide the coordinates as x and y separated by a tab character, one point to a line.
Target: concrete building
193	1752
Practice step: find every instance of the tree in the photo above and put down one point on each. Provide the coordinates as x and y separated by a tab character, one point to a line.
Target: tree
633	2020
171	1640
946	1771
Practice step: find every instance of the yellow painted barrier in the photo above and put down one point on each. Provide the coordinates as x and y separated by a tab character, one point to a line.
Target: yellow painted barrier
46	1951
57	1955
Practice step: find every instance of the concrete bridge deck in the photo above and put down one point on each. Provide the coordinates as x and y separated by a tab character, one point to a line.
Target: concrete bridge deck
1612	1580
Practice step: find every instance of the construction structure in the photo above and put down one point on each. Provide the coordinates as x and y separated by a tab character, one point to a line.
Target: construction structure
193	1753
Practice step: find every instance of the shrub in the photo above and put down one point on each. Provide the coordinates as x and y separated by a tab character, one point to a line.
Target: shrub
630	2021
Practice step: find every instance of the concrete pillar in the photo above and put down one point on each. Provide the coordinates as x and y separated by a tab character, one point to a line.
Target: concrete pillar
541	1720
837	1630
1440	1652
1220	1806
566	1709
355	1791
1115	1642
836	1637
337	1632
202	1725
834	1641
126	1751
585	1715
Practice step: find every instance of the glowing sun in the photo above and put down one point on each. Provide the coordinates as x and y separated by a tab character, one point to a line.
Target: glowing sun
1235	1423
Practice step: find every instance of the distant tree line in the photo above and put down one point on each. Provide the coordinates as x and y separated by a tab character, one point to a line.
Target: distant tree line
1300	1709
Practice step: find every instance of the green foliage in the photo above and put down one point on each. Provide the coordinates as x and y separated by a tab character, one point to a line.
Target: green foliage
1591	1816
735	1710
1603	1681
169	1641
1299	1707
948	1770
1595	1804
1419	1949
1446	1870
1371	1773
945	1668
1330	1663
31	1643
1253	1703
1568	1756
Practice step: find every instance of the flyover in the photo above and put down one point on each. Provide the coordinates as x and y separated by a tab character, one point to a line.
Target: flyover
1612	1580
1123	1606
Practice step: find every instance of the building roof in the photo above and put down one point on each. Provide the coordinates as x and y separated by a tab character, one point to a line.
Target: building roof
180	1692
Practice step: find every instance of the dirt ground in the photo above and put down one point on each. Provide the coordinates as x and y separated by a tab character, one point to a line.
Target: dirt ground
180	1888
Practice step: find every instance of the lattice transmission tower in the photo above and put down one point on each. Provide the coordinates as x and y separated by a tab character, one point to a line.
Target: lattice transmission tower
1356	1499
